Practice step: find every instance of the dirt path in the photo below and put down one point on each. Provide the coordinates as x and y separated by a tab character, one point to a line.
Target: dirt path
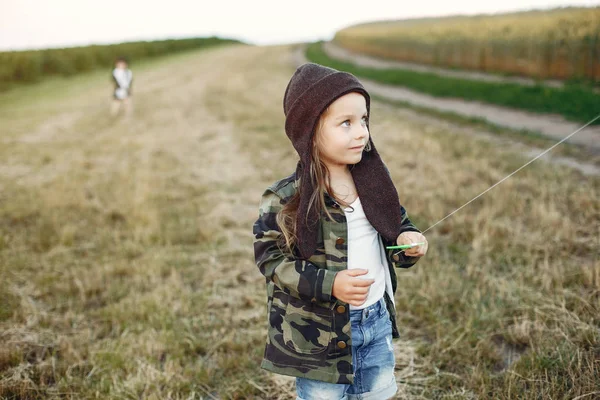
554	126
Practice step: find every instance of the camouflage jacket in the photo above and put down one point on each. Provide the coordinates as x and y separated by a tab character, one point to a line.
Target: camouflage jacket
308	328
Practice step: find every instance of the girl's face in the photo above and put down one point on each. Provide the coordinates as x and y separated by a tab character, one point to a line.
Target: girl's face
344	133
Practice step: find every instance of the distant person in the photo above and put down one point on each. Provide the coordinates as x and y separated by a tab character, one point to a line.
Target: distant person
122	78
321	241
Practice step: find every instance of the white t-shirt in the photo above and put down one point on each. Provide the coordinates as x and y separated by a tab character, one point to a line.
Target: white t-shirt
365	251
123	78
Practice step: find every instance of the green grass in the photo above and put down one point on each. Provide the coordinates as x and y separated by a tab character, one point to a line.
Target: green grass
574	102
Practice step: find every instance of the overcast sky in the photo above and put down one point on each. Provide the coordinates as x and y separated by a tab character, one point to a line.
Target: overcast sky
55	23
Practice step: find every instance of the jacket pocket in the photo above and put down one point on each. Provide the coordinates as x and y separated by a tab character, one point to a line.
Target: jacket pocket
307	327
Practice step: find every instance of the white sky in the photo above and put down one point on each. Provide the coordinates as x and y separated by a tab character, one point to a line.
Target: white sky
56	23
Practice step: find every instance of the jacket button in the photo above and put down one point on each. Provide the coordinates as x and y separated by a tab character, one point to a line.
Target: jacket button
341	309
339	240
342	344
396	257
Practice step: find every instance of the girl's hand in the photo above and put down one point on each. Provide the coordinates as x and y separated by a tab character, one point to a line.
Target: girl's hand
350	288
413	237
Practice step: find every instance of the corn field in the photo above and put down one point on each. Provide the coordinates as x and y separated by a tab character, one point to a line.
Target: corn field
562	43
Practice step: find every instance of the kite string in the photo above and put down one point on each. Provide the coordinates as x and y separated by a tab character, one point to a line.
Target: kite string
511	174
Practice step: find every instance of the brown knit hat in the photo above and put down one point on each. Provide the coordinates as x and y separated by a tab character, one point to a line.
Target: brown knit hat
311	90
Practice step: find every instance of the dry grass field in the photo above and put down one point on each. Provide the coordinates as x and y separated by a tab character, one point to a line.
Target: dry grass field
126	262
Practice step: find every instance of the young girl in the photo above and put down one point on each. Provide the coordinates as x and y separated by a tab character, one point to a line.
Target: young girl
320	243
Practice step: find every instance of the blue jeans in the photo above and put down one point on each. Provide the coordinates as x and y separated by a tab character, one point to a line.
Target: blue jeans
373	359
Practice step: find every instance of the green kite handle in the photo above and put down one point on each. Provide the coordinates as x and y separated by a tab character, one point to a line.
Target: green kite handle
404	246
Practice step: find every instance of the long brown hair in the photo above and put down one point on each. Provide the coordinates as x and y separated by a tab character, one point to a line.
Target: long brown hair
319	176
